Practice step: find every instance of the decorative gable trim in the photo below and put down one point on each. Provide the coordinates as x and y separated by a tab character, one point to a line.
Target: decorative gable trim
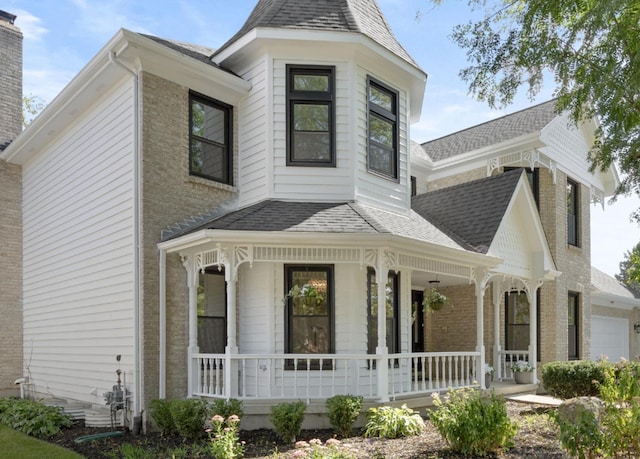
533	157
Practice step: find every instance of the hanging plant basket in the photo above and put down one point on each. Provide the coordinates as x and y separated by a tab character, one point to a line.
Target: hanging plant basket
433	299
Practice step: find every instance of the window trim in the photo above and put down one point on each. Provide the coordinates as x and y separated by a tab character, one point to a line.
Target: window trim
538	317
573	234
288	310
393	118
576	303
210	271
306	97
228	136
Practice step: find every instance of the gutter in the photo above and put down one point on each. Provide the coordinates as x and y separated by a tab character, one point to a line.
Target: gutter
138	405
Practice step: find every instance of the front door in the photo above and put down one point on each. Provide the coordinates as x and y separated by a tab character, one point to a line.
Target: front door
417	321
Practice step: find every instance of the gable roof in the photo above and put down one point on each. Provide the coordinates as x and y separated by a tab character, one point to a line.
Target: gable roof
318	217
360	16
527	121
606	284
470	213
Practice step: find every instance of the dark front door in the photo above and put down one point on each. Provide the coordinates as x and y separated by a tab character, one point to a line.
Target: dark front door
417	321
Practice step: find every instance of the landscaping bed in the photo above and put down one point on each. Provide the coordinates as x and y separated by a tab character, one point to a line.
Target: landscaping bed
536	438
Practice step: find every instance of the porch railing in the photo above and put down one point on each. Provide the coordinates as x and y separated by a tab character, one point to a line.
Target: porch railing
506	359
318	376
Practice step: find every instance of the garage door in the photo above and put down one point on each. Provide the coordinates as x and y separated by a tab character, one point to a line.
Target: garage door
610	337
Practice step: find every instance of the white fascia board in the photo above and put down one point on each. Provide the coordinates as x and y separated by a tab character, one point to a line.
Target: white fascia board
478	158
100	73
196	241
609	300
258	40
522	193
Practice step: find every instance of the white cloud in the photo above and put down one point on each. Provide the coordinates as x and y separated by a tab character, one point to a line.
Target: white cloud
30	25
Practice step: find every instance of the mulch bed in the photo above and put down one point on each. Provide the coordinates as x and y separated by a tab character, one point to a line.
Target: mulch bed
536	438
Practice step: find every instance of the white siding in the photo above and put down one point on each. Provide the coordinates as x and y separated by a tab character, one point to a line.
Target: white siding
313	183
253	140
78	253
373	189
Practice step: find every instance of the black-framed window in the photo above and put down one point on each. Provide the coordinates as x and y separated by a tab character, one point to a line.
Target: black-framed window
533	177
311	116
573	309
309	311
212	312
573	204
382	146
210	152
414	186
392	312
518	322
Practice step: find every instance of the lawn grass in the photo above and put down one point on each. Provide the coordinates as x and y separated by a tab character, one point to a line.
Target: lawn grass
16	445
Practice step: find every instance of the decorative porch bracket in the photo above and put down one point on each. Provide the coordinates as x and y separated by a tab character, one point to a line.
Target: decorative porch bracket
531	157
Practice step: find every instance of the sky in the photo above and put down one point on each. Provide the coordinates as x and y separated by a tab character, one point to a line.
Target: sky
61	36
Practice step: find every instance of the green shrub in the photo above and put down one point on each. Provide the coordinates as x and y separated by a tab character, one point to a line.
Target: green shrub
473	423
223	434
190	417
32	417
287	419
579	429
162	416
620	392
566	380
390	422
343	412
227	408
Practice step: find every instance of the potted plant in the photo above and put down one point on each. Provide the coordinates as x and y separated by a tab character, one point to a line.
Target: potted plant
433	299
488	375
522	372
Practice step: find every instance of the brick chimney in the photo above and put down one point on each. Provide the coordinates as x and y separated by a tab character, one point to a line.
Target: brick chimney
11	357
10	79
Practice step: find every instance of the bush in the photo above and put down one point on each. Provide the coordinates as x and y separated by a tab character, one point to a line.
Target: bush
225	442
578	420
389	422
189	417
161	413
33	418
287	419
343	412
473	423
566	380
227	408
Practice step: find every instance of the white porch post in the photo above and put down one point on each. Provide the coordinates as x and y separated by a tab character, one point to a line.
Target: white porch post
230	274
481	283
533	329
382	277
192	283
497	295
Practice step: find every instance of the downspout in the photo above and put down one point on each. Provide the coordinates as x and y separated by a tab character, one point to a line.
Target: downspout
138	405
162	335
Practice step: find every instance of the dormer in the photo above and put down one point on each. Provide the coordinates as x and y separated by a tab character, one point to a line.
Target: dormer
333	94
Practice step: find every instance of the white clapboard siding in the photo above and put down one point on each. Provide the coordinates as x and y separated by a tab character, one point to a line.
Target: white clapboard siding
253	142
79	253
256	302
372	189
313	183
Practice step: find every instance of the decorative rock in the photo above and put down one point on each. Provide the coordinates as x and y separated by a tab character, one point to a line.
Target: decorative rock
572	410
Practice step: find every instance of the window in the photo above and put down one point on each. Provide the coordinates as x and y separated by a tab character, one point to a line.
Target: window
309	320
212	312
572	213
310	116
210	153
517	322
414	186
392	308
572	325
382	154
533	176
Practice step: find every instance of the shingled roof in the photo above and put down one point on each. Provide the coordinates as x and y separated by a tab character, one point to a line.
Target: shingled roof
469	213
360	16
609	285
318	217
508	127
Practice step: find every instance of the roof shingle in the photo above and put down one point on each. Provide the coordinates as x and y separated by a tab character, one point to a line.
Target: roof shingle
469	213
508	127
